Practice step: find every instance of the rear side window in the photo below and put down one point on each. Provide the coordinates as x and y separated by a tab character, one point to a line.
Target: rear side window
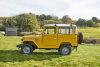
65	30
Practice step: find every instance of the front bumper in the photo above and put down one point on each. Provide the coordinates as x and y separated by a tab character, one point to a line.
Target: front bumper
19	46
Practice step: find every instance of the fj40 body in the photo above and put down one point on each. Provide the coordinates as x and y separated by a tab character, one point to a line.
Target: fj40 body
54	36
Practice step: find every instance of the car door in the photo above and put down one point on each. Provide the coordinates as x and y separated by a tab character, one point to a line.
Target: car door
50	36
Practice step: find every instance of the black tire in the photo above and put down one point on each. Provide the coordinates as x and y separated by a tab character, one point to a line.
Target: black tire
65	47
80	36
27	49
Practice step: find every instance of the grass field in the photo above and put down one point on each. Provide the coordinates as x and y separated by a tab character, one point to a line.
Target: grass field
10	56
93	32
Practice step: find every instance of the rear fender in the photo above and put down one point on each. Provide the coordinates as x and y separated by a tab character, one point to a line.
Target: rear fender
65	43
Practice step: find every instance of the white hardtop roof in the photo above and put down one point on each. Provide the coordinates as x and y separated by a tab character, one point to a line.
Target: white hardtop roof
60	25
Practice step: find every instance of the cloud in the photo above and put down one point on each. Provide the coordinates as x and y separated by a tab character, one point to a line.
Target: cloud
82	9
74	8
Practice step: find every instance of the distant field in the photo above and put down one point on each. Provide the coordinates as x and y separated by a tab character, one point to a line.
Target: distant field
10	56
93	32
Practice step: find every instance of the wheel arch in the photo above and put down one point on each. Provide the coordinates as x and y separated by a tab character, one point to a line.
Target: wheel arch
65	43
31	43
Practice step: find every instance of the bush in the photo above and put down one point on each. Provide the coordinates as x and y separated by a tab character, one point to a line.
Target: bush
2	28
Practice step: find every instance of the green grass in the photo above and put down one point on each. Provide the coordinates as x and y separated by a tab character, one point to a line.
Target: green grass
10	56
0	34
93	32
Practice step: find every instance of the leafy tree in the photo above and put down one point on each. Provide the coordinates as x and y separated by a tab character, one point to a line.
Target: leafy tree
48	17
24	22
94	19
54	17
2	18
81	22
89	23
10	22
66	19
43	17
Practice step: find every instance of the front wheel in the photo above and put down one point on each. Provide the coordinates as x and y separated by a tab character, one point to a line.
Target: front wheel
27	49
65	50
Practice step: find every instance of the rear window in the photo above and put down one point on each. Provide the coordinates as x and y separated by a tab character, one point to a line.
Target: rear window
65	30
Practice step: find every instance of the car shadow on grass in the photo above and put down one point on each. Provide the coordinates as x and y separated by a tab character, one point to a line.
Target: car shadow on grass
15	55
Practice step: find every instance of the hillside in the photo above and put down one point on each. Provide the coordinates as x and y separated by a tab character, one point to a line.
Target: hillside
93	32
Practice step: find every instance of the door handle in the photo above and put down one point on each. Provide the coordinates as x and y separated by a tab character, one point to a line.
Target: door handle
54	38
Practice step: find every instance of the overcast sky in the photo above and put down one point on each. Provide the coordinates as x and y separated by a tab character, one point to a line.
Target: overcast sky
74	8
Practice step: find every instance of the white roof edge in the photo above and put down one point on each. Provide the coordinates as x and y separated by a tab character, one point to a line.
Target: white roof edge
60	25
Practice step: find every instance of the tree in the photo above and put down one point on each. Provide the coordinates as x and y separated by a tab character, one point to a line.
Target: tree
81	22
10	22
89	23
24	22
54	17
48	17
66	19
42	17
2	18
94	19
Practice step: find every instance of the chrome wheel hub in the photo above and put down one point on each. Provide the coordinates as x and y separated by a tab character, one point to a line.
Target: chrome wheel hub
26	50
65	50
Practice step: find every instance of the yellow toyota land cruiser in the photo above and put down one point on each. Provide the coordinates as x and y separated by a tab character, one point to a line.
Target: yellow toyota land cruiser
54	36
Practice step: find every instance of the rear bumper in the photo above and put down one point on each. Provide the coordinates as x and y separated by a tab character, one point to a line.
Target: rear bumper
19	46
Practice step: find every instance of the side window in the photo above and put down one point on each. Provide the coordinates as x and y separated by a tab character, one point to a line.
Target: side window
50	30
65	30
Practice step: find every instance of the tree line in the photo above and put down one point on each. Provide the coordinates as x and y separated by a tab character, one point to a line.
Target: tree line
29	22
24	22
93	22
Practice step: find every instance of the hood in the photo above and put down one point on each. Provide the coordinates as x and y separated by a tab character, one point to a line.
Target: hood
31	37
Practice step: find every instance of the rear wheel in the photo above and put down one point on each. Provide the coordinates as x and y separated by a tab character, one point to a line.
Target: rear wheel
27	49
64	50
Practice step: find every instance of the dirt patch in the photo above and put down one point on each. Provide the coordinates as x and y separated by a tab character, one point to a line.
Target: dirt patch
91	40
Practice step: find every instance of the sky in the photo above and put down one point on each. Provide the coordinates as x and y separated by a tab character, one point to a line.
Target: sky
76	9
